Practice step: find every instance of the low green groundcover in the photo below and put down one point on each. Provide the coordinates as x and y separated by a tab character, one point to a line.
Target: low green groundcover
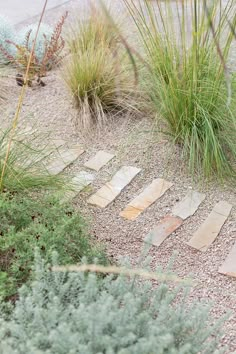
42	222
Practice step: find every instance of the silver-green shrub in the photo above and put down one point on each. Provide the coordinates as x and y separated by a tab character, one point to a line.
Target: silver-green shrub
78	313
7	32
44	34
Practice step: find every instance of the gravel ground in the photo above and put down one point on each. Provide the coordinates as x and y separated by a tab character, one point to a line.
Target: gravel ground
135	142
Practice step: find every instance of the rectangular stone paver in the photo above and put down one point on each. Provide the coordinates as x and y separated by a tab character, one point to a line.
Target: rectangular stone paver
99	160
150	194
57	143
27	131
208	231
64	159
112	189
229	266
164	229
79	182
189	205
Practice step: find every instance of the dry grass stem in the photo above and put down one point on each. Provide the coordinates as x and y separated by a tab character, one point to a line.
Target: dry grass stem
122	271
21	99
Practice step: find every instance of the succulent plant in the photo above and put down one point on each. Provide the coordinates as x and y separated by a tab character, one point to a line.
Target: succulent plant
45	33
7	32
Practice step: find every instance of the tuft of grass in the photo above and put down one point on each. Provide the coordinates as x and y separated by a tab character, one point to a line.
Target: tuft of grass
25	167
185	79
97	72
4	162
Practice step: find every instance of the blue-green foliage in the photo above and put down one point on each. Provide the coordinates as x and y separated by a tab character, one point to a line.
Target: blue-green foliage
45	33
7	32
76	313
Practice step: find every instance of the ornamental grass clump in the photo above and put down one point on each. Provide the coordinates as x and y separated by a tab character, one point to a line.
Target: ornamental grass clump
25	168
83	313
187	81
97	72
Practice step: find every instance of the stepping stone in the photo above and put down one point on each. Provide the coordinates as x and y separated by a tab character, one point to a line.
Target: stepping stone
21	134
26	130
105	195
65	158
79	182
99	160
208	231
189	205
229	266
150	194
57	143
166	226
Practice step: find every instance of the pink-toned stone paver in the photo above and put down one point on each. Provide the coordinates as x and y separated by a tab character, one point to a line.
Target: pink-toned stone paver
105	195
208	231
64	159
150	194
166	226
189	205
99	160
229	265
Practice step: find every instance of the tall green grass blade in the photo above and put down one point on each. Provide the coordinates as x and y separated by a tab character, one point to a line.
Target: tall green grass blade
186	82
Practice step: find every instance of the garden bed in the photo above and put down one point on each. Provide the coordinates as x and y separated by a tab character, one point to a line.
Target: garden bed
135	142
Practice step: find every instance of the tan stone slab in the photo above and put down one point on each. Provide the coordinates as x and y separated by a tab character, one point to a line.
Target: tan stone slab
164	229
64	159
22	133
229	266
27	129
150	194
79	182
99	160
189	205
105	195
208	231
58	143
56	167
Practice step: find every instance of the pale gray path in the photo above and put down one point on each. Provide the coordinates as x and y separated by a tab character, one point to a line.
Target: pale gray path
21	10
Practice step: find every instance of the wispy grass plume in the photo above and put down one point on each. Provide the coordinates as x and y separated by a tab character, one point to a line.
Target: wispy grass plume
25	167
97	72
186	78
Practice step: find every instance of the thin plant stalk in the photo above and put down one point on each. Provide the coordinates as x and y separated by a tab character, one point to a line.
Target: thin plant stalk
21	99
121	270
